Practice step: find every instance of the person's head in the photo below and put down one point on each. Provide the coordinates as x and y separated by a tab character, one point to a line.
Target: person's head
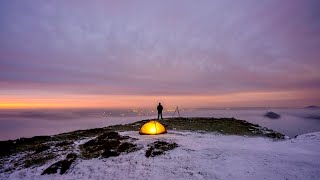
159	103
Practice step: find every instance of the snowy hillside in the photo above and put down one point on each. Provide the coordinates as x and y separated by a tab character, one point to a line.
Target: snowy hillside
199	156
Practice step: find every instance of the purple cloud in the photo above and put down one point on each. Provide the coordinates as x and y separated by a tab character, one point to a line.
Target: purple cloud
160	48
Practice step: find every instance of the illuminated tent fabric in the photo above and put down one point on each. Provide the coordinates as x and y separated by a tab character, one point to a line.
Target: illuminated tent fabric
152	128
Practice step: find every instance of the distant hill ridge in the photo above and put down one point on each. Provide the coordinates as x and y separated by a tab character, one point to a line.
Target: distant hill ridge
312	107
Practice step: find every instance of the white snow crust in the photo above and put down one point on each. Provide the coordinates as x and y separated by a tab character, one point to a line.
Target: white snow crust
200	156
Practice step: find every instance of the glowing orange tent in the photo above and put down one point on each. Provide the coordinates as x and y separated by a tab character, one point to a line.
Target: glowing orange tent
152	127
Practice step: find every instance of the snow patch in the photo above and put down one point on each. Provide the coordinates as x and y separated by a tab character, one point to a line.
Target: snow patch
200	156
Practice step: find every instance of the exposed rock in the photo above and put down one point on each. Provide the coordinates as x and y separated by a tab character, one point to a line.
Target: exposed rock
40	148
275	135
63	143
159	147
272	115
107	145
94	148
128	147
63	165
37	160
109	153
7	148
109	135
72	156
10	147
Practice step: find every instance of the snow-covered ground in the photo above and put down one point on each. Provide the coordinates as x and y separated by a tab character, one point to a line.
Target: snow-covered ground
201	156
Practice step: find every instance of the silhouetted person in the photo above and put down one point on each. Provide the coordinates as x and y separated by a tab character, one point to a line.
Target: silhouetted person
159	108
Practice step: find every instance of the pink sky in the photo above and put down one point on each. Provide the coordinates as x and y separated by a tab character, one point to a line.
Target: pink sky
135	53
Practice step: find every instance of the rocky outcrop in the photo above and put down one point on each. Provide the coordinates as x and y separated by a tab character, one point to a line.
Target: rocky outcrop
107	145
160	147
62	165
272	115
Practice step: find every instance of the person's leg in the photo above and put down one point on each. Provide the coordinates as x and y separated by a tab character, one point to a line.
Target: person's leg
161	116
158	115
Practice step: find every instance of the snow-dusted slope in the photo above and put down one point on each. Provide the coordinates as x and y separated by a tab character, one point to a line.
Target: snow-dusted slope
201	156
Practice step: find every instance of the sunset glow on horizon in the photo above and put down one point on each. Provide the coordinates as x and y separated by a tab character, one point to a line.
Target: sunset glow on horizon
246	99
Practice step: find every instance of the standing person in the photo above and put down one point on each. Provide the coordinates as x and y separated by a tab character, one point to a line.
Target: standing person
159	108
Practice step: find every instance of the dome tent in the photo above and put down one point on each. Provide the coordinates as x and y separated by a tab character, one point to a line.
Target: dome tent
152	128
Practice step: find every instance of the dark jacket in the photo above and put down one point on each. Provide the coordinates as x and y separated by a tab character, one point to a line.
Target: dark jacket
159	108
